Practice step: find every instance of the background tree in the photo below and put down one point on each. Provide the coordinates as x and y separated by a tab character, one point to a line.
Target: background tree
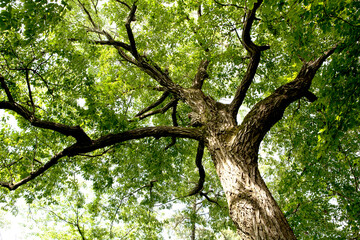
89	82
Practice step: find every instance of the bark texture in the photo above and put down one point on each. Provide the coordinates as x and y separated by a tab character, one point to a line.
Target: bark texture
234	150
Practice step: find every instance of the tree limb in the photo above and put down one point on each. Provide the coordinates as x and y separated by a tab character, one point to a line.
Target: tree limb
228	5
130	34
88	14
75	131
155	104
175	124
270	110
111	42
105	141
124	3
255	53
29	90
5	87
205	195
162	110
198	161
201	74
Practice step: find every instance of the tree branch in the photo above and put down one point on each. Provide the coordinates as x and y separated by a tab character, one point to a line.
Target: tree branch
74	131
130	34
29	89
111	42
201	74
124	3
255	53
270	110
198	161
88	14
162	110
155	104
5	87
229	5
175	124
105	141
205	195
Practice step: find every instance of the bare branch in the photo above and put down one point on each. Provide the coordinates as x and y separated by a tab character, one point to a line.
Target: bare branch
155	104
201	74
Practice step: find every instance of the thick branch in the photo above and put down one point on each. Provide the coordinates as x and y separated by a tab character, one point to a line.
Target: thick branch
201	74
157	132
246	37
155	104
109	140
74	131
244	85
270	110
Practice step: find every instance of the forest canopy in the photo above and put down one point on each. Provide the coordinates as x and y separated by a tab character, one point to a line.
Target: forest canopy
116	114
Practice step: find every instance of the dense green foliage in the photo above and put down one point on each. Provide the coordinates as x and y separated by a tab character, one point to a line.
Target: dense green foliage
310	159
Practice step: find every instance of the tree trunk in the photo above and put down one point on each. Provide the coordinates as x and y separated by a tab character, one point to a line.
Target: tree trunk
234	150
251	205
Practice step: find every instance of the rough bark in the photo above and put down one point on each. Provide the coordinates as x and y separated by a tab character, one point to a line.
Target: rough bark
251	205
234	151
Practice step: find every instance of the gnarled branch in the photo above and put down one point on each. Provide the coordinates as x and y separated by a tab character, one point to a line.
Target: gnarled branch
255	53
105	141
270	110
198	161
